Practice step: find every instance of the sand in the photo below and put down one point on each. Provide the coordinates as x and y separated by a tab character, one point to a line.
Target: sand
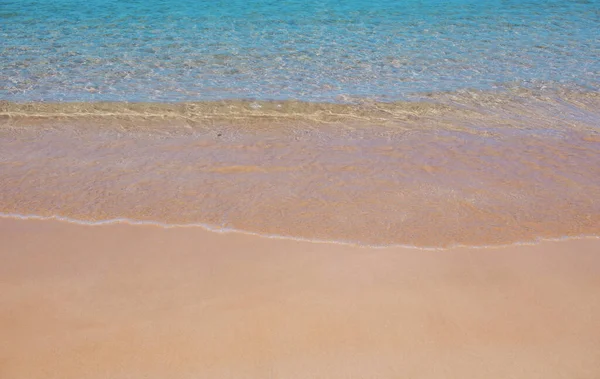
125	301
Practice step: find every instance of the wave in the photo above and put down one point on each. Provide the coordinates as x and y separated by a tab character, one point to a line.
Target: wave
512	107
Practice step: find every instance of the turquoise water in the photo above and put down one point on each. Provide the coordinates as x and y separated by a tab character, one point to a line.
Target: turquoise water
314	50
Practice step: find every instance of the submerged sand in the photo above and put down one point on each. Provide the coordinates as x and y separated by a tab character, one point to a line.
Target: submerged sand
475	169
123	301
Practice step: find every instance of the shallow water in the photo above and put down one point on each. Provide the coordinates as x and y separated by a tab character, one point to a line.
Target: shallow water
466	168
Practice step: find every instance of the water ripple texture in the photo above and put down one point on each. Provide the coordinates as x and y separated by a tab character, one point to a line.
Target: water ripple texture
310	50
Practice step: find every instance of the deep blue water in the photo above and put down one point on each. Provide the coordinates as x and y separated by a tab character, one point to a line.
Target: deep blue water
316	50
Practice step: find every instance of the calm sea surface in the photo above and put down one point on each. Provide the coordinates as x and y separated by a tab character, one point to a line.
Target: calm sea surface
313	50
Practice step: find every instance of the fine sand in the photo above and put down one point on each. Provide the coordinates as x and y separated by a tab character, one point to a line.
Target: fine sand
124	301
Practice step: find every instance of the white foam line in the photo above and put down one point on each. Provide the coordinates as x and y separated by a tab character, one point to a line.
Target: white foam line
222	230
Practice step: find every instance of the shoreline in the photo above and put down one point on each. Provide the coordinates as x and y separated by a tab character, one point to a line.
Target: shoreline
216	229
142	301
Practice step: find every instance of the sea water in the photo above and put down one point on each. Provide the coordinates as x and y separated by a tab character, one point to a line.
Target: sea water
311	50
415	122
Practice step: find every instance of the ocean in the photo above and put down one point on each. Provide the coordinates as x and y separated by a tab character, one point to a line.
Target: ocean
417	122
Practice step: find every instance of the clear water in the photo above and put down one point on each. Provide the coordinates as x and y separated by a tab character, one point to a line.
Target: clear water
314	50
497	141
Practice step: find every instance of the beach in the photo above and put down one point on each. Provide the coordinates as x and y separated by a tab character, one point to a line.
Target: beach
131	301
243	239
299	189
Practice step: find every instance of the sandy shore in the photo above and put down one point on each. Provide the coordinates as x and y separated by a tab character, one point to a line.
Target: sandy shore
122	301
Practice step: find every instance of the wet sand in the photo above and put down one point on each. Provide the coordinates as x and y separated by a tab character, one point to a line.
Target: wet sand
123	301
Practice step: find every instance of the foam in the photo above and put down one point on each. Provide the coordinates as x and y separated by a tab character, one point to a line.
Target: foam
222	230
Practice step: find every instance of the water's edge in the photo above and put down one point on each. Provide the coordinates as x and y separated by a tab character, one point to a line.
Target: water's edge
214	229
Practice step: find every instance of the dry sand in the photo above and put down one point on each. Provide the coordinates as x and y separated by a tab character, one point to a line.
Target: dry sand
124	301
